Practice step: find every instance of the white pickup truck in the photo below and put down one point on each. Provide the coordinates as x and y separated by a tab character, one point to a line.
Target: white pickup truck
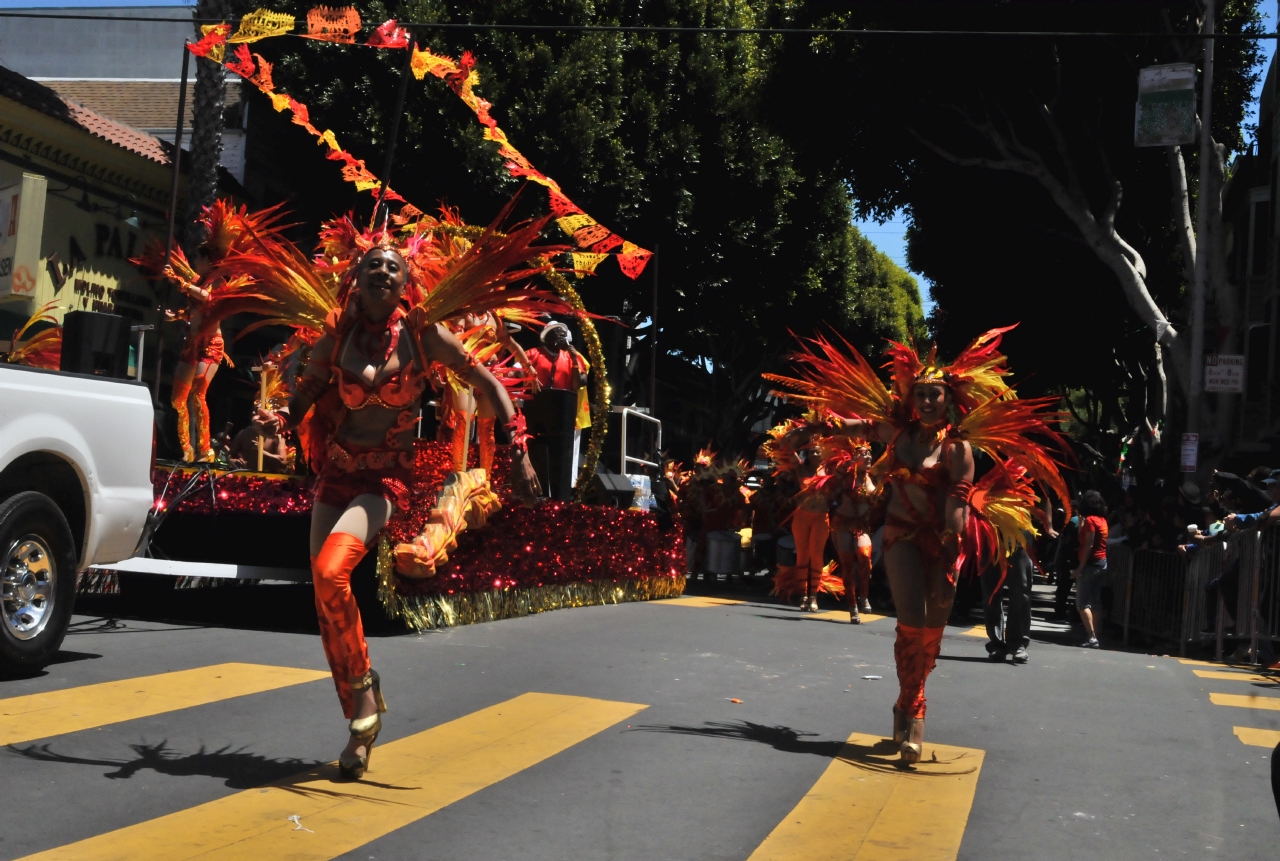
75	490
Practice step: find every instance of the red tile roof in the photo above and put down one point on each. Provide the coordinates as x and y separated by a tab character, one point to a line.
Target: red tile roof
38	97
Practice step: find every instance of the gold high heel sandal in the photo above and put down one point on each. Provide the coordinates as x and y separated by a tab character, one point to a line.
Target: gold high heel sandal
912	747
364	730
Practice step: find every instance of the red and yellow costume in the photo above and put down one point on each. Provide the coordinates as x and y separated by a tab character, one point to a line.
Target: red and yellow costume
44	348
442	285
810	522
486	339
212	297
844	466
836	381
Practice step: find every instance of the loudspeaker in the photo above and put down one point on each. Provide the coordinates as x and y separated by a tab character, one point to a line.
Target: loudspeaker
611	489
94	343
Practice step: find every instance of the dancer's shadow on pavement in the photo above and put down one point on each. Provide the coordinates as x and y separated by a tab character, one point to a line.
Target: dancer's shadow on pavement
881	755
780	738
240	769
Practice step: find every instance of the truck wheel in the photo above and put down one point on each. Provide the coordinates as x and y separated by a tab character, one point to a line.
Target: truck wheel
37	581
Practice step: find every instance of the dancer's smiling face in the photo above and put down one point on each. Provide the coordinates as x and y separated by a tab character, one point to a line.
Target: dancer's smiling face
381	279
931	401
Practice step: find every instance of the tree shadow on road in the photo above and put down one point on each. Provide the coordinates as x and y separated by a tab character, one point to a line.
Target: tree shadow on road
239	769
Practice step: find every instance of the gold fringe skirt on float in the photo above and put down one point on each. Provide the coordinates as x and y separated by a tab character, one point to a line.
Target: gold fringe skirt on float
423	612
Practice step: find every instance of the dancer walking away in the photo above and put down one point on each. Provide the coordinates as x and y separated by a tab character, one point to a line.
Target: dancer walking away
377	357
936	517
847	462
796	447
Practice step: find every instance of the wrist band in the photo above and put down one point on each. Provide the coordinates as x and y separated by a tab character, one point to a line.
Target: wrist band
517	433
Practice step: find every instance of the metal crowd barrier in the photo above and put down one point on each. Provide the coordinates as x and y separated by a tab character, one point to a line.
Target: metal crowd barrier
1163	594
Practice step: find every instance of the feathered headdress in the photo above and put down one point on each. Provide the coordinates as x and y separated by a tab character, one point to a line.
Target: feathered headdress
44	348
975	377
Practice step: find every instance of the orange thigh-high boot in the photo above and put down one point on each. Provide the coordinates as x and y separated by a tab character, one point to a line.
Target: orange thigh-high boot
342	635
181	392
916	653
199	386
486	443
863	568
855	565
340	629
810	530
460	422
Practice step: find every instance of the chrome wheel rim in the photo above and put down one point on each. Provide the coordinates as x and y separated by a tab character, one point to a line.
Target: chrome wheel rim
26	587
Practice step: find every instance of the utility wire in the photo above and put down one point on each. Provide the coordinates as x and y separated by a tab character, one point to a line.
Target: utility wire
714	31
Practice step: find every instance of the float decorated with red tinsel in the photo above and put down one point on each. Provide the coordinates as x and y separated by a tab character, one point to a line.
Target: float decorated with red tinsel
524	560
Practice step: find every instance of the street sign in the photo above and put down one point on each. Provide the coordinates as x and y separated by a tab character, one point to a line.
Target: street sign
1190	451
1224	373
1165	114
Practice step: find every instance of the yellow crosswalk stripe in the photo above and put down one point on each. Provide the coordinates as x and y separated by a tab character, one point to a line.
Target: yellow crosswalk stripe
409	779
865	808
695	601
842	616
1222	665
1258	737
977	631
1246	701
44	715
1229	676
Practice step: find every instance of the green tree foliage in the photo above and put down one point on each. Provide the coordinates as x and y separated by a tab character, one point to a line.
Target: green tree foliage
664	138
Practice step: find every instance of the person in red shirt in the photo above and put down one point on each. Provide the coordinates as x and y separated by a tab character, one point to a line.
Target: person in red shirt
1093	563
559	366
556	363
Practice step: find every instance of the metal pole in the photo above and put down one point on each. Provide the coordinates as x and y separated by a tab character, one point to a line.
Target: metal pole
379	205
1253	598
1219	632
173	209
653	340
1199	288
623	441
177	157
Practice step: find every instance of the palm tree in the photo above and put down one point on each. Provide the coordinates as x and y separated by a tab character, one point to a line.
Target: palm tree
206	130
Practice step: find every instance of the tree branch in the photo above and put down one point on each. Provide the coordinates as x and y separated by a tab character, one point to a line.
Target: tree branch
1182	211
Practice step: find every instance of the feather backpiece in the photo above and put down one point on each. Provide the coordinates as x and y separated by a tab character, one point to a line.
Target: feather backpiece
831	379
44	348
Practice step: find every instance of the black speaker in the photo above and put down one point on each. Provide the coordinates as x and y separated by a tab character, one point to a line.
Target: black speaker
611	489
94	343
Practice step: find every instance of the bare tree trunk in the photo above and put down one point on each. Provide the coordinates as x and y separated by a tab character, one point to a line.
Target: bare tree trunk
206	130
1098	232
1182	211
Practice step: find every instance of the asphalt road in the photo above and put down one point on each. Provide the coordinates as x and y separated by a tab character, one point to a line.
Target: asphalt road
640	752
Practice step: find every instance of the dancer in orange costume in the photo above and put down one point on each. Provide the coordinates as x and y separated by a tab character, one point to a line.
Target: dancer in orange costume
214	289
486	337
366	377
936	516
796	446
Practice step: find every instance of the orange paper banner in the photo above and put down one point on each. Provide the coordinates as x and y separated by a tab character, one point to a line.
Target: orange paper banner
333	24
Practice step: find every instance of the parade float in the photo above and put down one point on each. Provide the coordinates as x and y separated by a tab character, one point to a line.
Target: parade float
465	550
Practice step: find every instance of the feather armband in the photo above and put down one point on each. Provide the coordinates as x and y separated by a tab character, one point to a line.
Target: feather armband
961	490
517	433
